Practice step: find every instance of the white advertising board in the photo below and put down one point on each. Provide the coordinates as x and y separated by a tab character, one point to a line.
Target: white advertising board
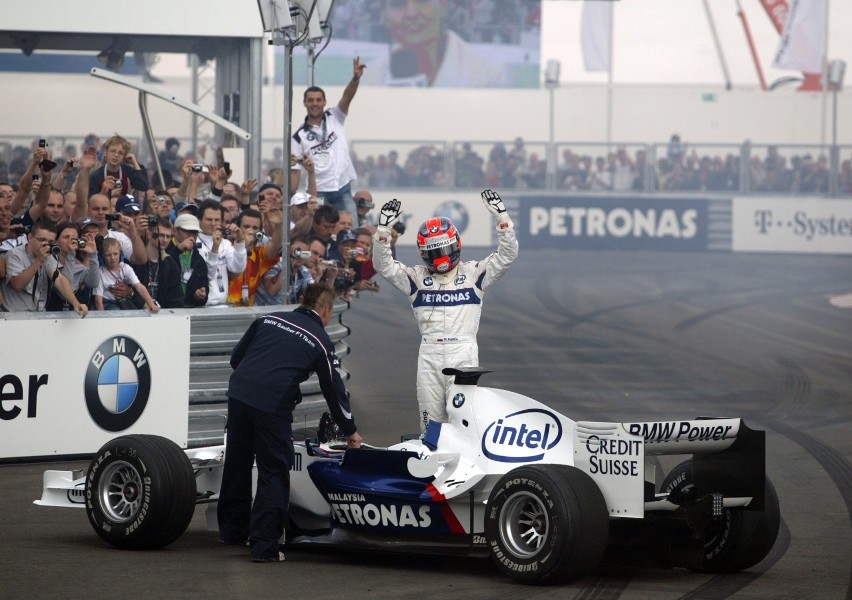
794	225
67	386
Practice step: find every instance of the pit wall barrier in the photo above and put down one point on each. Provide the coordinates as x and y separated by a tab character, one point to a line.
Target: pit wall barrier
82	382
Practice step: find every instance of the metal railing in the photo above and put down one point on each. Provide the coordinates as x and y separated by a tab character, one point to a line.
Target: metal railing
787	169
213	334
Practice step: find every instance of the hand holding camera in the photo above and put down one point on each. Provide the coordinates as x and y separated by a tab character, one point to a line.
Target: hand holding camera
44	250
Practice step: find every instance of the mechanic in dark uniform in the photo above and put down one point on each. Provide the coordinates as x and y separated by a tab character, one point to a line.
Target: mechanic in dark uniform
279	351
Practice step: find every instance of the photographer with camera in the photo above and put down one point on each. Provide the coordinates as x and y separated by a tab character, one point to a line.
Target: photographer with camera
184	249
119	227
77	261
30	269
260	257
225	259
121	172
30	182
161	274
446	295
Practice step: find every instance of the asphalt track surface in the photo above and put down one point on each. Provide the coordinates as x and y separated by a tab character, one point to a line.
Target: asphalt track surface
603	336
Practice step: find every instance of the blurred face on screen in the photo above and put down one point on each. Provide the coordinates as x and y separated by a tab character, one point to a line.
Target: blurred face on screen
415	22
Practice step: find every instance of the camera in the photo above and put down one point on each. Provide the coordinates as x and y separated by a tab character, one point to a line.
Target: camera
300	158
113	217
199	168
18	224
225	231
54	249
399	227
152	222
42	143
47	165
227	166
303	254
81	243
162	199
329	263
258	235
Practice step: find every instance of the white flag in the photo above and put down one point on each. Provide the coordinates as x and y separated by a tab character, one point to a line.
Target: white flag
596	35
803	39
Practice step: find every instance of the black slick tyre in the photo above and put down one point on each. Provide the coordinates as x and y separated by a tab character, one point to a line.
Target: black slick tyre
741	538
140	492
546	524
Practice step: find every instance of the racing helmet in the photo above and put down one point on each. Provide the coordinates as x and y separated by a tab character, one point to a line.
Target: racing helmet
439	244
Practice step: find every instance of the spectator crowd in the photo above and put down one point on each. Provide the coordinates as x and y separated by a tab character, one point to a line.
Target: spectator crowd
671	167
94	229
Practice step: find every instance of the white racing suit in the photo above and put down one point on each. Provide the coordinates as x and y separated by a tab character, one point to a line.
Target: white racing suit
447	308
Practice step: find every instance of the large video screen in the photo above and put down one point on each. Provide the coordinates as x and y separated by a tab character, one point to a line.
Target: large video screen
429	43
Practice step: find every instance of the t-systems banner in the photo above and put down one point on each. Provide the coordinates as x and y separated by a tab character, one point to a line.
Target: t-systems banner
624	223
799	225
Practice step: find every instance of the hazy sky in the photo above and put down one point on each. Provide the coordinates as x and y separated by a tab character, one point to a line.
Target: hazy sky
670	41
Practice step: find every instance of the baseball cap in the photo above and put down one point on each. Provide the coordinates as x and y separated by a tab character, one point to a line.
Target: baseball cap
299	198
362	201
188	222
181	206
346	235
85	221
269	185
127	203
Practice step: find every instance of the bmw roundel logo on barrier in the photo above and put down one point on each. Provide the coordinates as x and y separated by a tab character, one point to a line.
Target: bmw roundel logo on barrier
458	400
118	383
456	212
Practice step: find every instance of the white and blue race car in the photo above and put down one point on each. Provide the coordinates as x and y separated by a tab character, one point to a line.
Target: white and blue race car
506	476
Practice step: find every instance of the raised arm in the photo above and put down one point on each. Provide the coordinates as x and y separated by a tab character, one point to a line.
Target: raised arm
352	86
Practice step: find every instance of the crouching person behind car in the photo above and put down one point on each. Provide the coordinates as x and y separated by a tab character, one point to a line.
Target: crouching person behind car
277	353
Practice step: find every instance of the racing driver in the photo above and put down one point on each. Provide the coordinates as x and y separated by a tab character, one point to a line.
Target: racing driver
446	295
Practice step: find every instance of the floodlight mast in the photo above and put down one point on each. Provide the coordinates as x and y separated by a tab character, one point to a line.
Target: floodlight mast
277	16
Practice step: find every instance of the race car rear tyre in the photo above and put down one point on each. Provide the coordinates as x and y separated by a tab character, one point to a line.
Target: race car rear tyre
741	538
140	492
546	524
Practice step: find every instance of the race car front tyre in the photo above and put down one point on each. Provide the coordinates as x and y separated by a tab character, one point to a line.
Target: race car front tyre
546	524
140	492
740	538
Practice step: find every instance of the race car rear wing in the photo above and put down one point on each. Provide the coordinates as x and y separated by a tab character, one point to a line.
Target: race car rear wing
728	459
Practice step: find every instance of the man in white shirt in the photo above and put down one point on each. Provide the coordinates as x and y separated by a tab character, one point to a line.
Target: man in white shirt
321	137
31	270
223	258
124	229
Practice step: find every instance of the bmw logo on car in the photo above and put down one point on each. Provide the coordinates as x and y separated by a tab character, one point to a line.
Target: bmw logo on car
118	382
458	400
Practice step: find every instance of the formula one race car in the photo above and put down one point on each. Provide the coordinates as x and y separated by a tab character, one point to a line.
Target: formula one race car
506	476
